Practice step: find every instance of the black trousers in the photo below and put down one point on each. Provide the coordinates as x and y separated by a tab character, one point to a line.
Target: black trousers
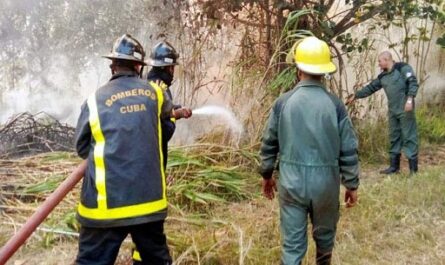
100	246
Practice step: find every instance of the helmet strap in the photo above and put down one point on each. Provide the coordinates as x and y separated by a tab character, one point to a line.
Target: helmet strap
298	75
141	71
112	69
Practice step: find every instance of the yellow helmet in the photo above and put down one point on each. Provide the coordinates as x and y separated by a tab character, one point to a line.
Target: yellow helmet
312	56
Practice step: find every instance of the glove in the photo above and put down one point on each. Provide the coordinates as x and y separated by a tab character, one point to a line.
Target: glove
182	113
350	99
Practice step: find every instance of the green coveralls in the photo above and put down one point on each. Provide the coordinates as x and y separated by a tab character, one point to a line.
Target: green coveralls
310	130
399	83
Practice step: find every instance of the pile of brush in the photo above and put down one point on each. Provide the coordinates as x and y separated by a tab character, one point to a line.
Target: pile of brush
27	134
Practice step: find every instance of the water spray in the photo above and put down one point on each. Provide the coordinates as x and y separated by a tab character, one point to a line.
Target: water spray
229	117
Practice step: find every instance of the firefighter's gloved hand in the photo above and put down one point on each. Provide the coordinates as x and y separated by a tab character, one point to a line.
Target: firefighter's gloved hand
350	99
182	113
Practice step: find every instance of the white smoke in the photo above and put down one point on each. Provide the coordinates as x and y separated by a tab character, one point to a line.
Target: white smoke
54	93
54	59
51	51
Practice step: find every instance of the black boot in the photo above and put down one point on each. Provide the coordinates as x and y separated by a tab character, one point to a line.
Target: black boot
323	258
394	166
413	165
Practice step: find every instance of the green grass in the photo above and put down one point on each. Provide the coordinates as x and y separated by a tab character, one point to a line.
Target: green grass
200	181
47	186
374	140
399	221
431	124
59	156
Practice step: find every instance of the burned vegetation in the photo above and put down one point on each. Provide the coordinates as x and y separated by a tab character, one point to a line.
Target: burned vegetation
27	134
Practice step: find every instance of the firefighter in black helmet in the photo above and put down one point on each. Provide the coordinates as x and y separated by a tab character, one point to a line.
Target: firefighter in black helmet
124	187
163	55
163	59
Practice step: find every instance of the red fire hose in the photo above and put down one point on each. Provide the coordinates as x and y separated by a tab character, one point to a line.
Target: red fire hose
41	213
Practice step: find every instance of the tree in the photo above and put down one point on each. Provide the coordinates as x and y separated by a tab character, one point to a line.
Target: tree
274	28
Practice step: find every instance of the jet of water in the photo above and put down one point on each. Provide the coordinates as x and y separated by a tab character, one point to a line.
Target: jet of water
229	117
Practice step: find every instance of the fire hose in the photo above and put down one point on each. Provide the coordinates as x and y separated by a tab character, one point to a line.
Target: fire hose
41	213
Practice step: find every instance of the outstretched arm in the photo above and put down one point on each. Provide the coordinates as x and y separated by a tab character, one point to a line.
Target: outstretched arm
366	91
369	89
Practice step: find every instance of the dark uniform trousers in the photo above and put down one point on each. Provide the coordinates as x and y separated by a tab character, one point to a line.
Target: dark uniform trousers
100	246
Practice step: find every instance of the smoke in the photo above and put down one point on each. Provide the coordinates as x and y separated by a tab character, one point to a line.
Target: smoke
53	93
51	57
51	50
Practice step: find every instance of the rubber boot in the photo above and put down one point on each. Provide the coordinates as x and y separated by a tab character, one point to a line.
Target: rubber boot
394	166
323	258
413	165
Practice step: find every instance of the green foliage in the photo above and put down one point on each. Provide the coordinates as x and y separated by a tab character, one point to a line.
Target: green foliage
373	140
440	16
350	44
431	124
373	135
71	222
200	182
441	41
284	80
397	13
46	186
292	33
60	156
390	13
290	36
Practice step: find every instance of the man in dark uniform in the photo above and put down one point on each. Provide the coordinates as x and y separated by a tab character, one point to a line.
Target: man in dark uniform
124	187
163	59
400	85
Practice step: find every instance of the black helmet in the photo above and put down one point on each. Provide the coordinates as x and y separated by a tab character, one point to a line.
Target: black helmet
163	54
127	48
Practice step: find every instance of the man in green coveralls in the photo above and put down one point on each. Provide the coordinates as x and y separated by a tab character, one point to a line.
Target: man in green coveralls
310	130
400	85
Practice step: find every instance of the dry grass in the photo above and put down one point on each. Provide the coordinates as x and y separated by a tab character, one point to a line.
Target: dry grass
399	220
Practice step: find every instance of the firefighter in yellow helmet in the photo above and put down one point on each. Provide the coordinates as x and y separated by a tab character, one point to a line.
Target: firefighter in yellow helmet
124	187
309	129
